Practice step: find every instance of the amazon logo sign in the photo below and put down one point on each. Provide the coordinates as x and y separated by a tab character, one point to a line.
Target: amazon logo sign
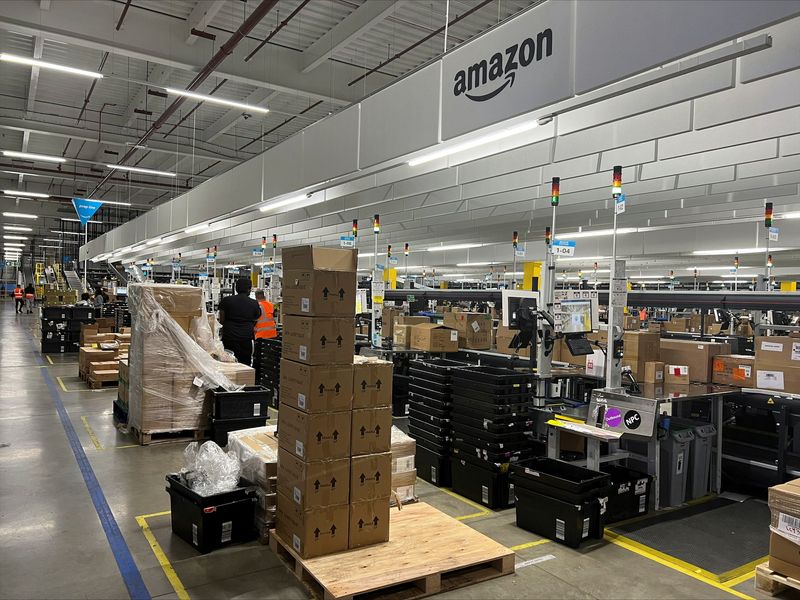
488	78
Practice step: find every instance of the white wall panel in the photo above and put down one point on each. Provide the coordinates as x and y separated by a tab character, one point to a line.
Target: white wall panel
330	147
283	167
756	182
166	214
571	168
518	159
768	167
151	220
234	189
501	183
784	54
492	200
790	145
748	100
706	177
649	126
649	185
628	155
407	114
594	181
350	187
712	159
425	183
540	133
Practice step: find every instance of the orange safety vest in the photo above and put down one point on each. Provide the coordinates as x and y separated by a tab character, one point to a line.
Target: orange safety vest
265	326
29	296
18	294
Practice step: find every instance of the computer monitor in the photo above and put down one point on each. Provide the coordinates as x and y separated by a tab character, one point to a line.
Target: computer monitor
121	291
519	306
576	316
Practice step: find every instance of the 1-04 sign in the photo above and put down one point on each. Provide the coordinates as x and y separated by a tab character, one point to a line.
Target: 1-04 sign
563	247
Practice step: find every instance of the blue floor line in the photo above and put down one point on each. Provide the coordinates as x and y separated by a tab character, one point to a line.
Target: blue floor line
122	554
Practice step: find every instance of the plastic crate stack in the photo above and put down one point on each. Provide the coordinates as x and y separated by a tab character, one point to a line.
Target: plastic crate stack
429	410
122	315
267	363
61	327
492	417
233	411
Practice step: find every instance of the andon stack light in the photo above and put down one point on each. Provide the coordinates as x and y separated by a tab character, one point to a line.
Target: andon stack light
548	236
768	215
515	240
389	251
769	261
736	263
355	228
616	185
376	224
555	191
263	243
406	249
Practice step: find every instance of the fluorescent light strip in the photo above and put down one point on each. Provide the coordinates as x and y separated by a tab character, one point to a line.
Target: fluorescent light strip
14	237
196	228
14	215
59	247
366	254
596	233
18	244
453	247
106	201
33	62
293	200
214	100
475	264
735	252
646	276
65	232
153	242
580	259
78	221
139	170
29	156
26	194
480	141
722	268
16	228
51	240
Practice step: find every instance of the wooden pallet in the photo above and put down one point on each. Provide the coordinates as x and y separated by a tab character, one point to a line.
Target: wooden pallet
96	385
772	583
147	438
427	553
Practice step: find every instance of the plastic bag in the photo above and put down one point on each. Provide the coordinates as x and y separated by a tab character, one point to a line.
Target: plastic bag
209	470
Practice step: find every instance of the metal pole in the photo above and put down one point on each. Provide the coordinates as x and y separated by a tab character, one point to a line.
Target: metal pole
766	266
85	261
373	328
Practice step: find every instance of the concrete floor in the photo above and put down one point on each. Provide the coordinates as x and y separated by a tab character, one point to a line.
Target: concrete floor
53	543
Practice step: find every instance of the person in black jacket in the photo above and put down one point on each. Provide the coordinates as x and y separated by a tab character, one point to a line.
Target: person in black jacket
238	315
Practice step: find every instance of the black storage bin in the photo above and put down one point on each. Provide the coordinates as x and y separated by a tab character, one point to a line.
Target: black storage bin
564	522
211	522
559	479
59	347
526	451
57	313
57	336
54	325
433	467
251	401
75	327
221	427
83	313
629	494
483	482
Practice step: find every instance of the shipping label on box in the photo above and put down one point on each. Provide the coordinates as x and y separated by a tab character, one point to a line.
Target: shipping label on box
315	436
654	372
313	484
313	532
371	476
778	351
734	369
369	522
316	388
372	382
676	374
371	430
319	340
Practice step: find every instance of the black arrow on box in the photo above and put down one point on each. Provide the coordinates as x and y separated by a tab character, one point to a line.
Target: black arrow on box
360	523
363	385
341	294
316	532
377	430
337	387
375	521
321	388
377	476
339	341
333	482
333	529
363	430
322	340
325	293
335	434
319	437
378	384
316	485
362	478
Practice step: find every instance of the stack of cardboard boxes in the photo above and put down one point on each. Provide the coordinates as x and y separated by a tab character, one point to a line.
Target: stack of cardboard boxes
401	329
784	539
334	465
697	356
474	329
777	365
404	472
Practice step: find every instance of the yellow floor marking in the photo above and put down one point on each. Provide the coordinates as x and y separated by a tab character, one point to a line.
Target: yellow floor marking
166	566
529	545
50	360
154	515
672	563
741	579
745	571
92	436
483	510
61	383
126	446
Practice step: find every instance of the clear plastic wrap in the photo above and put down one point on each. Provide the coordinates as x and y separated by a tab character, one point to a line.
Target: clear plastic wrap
209	470
257	451
203	331
169	372
404	474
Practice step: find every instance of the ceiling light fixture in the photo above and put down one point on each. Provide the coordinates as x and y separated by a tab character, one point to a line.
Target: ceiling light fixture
29	156
713	268
596	233
453	247
480	141
196	228
51	240
730	252
14	215
33	62
65	232
293	200
58	247
107	202
790	215
19	244
365	254
475	264
14	237
154	241
139	170
16	228
214	100
26	194
78	221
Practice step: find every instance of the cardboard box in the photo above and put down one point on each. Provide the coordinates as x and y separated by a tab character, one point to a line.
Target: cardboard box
390	313
656	326
90	355
783	379
408	320
434	338
318	281
653	372
313	484
319	340
177	300
639	348
631	323
315	436
734	369
474	329
257	449
503	338
371	476
784	556
676	374
318	388
700	355
402	335
238	373
313	532
371	431
778	351
372	382
678	324
369	522
784	501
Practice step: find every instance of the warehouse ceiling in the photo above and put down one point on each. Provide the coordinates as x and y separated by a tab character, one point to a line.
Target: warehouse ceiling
702	152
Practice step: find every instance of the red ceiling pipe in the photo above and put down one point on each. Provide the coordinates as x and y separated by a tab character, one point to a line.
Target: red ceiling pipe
225	50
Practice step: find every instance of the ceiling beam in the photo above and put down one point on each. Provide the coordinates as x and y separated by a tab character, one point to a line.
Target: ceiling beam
361	20
149	36
33	84
201	16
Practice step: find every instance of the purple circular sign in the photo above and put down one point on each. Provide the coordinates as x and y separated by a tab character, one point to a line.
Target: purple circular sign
613	417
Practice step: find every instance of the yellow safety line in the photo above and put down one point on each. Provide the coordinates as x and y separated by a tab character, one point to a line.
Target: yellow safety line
127	446
668	561
749	570
50	360
166	566
483	510
61	383
529	545
154	515
741	579
92	436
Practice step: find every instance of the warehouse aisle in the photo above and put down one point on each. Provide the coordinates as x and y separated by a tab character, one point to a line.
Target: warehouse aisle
54	544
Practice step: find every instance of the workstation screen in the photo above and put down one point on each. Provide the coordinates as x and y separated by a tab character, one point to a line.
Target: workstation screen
576	316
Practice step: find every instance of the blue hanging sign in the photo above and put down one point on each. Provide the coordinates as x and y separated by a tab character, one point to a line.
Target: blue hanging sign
86	208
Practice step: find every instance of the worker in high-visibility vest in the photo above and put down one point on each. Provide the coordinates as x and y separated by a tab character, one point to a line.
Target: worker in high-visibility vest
265	326
19	298
30	296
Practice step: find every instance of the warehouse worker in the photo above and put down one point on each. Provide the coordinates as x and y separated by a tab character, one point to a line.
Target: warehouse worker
30	296
19	298
265	326
238	315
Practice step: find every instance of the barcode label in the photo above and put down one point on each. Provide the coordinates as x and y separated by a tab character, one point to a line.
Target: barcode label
642	503
301	400
298	495
257	409
305	304
194	534
560	535
303	353
585	532
295	542
433	475
789	525
227	531
299	449
484	494
454	336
